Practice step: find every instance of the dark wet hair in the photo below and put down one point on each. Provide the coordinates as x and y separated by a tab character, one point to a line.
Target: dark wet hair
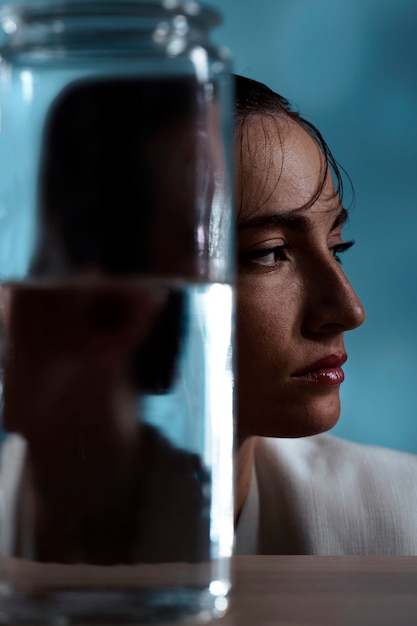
254	98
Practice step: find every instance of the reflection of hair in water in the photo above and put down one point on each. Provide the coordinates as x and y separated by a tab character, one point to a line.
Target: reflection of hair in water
97	195
98	186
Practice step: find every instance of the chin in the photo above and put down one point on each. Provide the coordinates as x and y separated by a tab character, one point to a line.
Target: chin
302	420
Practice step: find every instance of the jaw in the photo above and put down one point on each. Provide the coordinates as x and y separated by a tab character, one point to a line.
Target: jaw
287	415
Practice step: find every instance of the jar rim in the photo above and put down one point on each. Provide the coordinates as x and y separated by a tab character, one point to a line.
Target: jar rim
48	9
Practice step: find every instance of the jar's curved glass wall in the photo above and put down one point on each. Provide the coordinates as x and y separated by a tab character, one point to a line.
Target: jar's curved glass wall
116	305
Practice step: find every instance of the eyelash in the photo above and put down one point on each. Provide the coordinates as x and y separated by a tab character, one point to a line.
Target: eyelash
253	255
340	248
278	250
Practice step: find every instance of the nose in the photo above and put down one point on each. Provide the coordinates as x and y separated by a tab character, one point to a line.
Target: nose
332	303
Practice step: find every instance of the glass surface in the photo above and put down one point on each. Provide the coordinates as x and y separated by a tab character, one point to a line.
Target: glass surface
116	308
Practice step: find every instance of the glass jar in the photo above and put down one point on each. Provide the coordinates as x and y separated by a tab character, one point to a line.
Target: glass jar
116	301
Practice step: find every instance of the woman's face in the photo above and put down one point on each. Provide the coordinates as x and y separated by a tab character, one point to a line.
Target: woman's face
294	301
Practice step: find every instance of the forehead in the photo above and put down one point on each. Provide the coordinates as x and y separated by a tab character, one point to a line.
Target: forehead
279	165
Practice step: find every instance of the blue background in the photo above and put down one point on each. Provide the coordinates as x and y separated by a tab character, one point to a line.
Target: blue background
350	66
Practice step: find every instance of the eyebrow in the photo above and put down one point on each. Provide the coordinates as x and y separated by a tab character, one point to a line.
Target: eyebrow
293	220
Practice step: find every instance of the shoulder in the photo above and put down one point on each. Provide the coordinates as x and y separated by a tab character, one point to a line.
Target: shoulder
329	468
326	453
179	473
337	497
175	500
167	459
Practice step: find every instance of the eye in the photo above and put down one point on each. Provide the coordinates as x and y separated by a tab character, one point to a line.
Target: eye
340	248
265	257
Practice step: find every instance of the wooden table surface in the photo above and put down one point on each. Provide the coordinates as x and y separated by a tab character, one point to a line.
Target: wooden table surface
323	591
305	590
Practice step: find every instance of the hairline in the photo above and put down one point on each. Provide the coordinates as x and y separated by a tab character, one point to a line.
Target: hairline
275	106
244	118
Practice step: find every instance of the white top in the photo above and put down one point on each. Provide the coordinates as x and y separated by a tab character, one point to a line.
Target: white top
324	495
313	495
12	459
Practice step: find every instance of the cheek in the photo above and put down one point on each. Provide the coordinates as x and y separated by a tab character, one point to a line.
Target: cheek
265	328
265	315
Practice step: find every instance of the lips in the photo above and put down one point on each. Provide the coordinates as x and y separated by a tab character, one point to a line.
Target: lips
325	371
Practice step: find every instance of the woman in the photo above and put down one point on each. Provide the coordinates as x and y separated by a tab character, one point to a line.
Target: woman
315	495
298	491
